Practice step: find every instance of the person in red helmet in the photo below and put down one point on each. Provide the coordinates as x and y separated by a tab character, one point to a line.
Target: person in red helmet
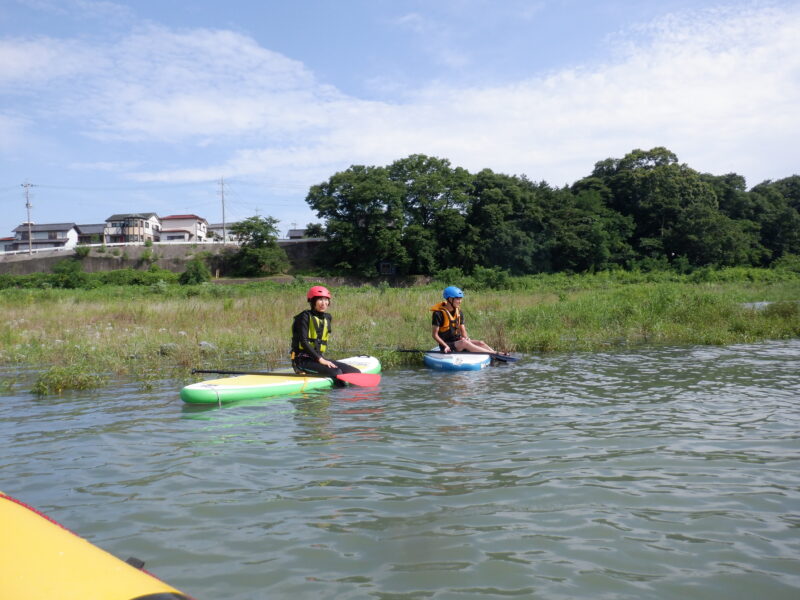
310	332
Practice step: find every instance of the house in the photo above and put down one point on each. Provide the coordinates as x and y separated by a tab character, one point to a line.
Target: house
296	234
91	233
7	243
215	232
184	228
46	235
133	227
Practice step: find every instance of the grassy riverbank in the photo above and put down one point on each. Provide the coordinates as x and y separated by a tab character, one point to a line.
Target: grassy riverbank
148	333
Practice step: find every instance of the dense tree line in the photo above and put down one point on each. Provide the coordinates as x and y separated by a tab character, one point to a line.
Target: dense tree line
646	210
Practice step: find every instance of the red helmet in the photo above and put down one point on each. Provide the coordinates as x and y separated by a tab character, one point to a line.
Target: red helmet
318	292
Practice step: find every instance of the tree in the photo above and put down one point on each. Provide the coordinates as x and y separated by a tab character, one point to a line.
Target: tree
315	230
256	232
430	186
777	217
585	234
364	216
706	237
655	190
506	224
259	253
435	199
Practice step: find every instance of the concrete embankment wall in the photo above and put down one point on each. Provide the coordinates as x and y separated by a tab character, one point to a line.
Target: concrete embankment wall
172	257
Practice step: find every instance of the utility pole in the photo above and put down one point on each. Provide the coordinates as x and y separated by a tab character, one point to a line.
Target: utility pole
222	197
27	187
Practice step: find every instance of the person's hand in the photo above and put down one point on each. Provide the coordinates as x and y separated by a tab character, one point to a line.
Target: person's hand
326	363
446	349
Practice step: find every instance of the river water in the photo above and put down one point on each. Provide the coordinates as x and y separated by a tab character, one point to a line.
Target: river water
656	473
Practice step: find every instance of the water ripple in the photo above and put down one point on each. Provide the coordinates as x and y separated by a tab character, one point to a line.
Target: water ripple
659	473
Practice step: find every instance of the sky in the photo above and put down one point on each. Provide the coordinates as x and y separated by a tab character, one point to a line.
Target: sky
172	106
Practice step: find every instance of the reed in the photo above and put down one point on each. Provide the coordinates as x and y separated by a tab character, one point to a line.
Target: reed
57	379
170	329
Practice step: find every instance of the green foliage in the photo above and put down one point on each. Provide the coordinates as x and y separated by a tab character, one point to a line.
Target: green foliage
259	253
68	273
259	262
196	272
644	210
134	277
256	232
82	252
58	379
788	262
482	278
315	230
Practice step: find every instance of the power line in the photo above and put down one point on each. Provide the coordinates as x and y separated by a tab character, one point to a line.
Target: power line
136	188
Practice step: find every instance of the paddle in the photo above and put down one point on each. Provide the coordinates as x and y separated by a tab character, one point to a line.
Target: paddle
358	379
494	355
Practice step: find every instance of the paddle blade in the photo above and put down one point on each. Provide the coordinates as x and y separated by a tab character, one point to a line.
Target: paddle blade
360	379
504	358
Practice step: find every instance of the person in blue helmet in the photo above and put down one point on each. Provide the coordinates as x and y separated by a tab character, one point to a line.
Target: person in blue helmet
448	326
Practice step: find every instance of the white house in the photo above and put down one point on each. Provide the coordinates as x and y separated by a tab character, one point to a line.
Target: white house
184	228
215	231
46	235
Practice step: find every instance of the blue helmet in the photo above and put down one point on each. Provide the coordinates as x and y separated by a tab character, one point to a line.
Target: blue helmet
452	291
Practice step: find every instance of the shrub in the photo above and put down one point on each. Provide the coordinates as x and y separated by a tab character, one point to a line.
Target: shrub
68	273
196	272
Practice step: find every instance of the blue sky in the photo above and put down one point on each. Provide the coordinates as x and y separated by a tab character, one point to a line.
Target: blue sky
143	106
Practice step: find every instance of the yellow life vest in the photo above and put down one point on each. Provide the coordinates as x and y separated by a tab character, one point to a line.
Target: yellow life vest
318	332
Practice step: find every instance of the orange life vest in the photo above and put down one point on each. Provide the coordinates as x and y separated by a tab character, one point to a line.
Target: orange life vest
450	329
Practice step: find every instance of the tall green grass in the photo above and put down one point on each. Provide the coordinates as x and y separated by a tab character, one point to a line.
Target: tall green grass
169	329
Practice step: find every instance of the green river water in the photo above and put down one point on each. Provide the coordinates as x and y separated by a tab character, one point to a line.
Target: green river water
655	473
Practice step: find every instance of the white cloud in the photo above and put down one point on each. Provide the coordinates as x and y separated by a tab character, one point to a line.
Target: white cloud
719	88
436	39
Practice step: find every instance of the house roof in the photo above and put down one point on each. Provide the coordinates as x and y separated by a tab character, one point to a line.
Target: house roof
183	217
46	227
91	228
173	230
123	216
219	225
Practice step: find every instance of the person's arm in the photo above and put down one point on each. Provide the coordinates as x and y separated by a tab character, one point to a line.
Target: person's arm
439	340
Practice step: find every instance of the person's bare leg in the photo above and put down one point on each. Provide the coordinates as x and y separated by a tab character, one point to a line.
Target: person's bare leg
473	346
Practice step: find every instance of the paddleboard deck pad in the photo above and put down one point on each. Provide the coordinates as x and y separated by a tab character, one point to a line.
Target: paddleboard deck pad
455	361
253	387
